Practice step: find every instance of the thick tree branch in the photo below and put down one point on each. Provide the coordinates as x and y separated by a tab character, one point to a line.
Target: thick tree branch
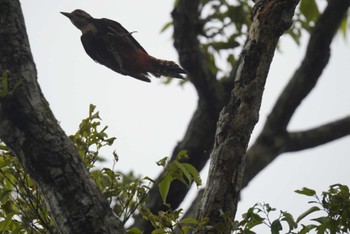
265	150
318	136
239	117
273	139
187	27
307	75
29	129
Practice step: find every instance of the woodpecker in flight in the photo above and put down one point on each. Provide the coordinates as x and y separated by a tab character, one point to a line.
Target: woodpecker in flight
110	44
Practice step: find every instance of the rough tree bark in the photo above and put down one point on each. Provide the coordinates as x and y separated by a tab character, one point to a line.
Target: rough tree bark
29	129
199	137
275	138
239	116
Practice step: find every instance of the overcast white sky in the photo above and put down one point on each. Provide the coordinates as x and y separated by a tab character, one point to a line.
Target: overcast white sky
149	119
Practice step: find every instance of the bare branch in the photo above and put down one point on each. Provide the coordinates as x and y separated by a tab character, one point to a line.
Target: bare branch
318	136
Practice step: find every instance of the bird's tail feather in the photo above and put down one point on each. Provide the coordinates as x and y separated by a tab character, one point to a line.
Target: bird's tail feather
167	68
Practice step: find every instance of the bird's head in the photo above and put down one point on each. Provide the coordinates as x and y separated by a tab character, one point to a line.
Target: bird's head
79	18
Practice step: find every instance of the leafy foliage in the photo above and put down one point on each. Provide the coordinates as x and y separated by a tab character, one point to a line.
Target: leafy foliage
177	170
332	210
89	140
224	27
22	208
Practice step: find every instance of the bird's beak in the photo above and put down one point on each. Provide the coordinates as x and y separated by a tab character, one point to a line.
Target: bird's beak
66	14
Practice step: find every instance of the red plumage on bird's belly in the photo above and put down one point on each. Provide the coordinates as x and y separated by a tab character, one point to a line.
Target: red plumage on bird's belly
137	62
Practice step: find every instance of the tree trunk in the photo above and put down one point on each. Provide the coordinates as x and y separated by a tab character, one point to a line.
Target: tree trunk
239	116
29	129
275	138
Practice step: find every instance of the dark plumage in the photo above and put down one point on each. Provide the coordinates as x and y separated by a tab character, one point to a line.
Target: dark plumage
110	44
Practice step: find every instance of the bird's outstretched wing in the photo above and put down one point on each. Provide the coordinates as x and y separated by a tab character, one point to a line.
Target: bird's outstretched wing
109	54
97	49
117	32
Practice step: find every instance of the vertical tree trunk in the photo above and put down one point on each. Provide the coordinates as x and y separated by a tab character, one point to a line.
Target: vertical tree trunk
29	129
239	116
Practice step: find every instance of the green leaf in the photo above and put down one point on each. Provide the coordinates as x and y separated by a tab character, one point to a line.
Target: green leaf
309	9
6	222
91	109
295	33
182	155
4	195
162	162
4	163
194	173
290	220
306	213
306	191
254	220
321	229
134	230
158	231
149	179
321	220
184	171
344	26
166	26
231	59
189	221
164	186
276	227
269	208
307	228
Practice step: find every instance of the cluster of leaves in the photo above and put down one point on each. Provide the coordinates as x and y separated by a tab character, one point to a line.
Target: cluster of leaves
22	208
170	220
225	24
304	19
89	139
123	191
225	28
332	210
177	170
